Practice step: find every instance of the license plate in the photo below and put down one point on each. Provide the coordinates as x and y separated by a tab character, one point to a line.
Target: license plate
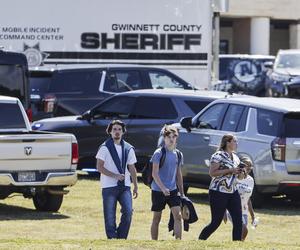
26	176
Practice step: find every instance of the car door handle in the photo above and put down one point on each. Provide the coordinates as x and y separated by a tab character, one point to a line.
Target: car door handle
206	138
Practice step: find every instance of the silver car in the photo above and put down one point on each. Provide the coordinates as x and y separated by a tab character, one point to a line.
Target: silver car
268	131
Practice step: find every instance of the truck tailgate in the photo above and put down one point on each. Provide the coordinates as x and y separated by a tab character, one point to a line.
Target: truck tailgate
35	152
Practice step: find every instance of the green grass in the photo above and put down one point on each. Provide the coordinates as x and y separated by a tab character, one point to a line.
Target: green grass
79	224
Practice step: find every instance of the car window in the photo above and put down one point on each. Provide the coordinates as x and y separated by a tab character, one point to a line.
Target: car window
84	82
292	125
243	121
11	116
232	117
39	85
212	117
117	81
197	106
12	82
130	78
268	122
288	61
160	80
117	106
154	108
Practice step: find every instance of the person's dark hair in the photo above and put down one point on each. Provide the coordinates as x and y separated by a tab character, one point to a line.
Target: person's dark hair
225	139
115	122
169	129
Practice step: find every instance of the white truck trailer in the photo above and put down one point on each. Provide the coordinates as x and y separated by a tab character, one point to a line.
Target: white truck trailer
172	34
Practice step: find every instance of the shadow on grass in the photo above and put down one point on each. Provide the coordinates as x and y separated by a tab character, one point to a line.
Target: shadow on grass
11	212
271	206
280	206
198	198
88	176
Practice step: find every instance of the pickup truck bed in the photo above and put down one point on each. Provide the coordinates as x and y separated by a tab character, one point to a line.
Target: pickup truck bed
37	164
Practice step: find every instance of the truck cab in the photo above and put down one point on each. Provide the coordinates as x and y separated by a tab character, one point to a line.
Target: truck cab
14	78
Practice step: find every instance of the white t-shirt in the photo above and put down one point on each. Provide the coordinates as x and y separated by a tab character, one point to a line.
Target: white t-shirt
104	155
245	188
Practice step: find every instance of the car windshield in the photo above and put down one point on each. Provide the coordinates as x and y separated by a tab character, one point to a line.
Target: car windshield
11	81
288	61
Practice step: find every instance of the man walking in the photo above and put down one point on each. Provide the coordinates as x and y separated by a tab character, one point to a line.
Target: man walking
166	179
115	162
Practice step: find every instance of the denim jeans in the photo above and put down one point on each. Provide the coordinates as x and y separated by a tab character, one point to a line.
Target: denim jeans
111	196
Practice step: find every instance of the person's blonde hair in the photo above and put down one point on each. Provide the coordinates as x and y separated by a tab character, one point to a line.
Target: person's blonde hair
246	160
225	139
169	129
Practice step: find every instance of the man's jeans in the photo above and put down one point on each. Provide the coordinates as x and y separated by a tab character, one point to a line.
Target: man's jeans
110	197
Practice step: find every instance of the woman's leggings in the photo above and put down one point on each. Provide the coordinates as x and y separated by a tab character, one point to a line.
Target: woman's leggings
219	202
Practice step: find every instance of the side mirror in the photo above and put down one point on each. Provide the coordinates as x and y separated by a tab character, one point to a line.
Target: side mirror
186	122
86	116
205	125
268	65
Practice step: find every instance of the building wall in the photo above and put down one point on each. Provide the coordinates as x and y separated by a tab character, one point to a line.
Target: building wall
284	18
275	9
226	33
279	39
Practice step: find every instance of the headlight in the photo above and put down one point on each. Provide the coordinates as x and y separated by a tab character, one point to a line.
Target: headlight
280	77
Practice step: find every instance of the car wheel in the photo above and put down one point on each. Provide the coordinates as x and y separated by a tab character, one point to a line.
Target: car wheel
185	189
257	198
45	201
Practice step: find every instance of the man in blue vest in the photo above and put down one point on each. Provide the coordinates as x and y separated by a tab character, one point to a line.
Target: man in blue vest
115	162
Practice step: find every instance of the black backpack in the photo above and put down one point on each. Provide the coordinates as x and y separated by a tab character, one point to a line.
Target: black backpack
147	171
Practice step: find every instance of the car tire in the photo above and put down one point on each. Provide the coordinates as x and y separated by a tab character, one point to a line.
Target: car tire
257	198
45	201
185	189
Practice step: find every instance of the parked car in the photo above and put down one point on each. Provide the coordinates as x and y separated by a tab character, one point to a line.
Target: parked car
14	77
284	74
37	164
243	73
268	132
58	90
144	112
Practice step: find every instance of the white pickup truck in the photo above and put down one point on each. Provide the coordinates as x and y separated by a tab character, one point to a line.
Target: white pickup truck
37	164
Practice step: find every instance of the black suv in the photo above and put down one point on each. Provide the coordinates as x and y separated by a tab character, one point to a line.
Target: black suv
144	112
14	77
60	90
243	73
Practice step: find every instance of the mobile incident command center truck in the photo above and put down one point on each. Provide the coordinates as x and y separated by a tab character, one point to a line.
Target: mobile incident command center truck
176	35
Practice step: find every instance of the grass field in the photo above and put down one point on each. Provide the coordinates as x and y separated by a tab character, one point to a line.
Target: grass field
79	224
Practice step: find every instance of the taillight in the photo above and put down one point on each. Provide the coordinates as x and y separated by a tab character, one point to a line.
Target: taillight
29	114
278	147
75	154
49	102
